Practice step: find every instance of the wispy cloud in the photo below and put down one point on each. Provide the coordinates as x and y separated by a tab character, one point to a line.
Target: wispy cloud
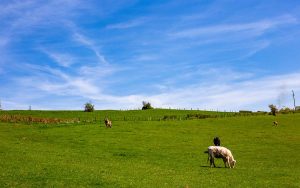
98	71
23	17
248	93
253	28
64	60
197	57
90	45
14	7
128	24
58	82
251	94
145	57
260	45
245	94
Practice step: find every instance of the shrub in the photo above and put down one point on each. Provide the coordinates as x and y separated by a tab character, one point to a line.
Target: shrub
146	105
285	110
170	117
245	111
88	107
200	116
273	109
261	113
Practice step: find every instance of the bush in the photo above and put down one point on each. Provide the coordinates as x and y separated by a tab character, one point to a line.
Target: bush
88	107
245	111
200	116
261	113
170	117
146	105
285	110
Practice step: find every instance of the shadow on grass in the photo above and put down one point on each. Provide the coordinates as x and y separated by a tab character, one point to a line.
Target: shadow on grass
211	167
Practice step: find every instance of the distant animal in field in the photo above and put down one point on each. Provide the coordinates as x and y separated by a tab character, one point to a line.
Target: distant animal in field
217	141
220	152
108	123
275	123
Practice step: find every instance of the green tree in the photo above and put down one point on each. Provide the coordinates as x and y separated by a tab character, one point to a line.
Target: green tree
146	106
273	109
88	107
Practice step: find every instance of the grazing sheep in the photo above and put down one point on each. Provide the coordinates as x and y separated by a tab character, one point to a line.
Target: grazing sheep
220	152
217	141
108	123
275	123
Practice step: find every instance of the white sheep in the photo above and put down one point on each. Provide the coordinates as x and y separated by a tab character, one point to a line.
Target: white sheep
220	152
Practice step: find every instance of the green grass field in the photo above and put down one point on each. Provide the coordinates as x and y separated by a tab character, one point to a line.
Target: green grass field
149	153
116	115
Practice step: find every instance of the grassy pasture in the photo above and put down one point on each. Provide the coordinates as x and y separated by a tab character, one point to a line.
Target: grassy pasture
115	115
149	153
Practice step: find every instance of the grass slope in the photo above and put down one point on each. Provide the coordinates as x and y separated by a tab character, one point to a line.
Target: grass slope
151	153
115	115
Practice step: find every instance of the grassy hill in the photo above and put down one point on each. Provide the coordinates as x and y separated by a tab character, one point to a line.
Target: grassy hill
128	115
136	153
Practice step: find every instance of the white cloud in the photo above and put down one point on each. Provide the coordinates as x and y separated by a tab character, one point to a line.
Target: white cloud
89	44
247	94
84	86
19	18
260	45
253	28
224	89
65	84
15	7
11	105
98	71
64	60
231	91
84	81
252	94
128	24
145	57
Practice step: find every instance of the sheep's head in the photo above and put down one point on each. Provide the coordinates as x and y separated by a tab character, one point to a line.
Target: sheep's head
232	164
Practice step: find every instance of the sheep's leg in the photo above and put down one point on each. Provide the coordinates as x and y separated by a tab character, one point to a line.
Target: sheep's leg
212	162
228	161
225	161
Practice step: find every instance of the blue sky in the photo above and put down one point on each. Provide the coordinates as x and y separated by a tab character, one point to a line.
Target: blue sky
220	55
